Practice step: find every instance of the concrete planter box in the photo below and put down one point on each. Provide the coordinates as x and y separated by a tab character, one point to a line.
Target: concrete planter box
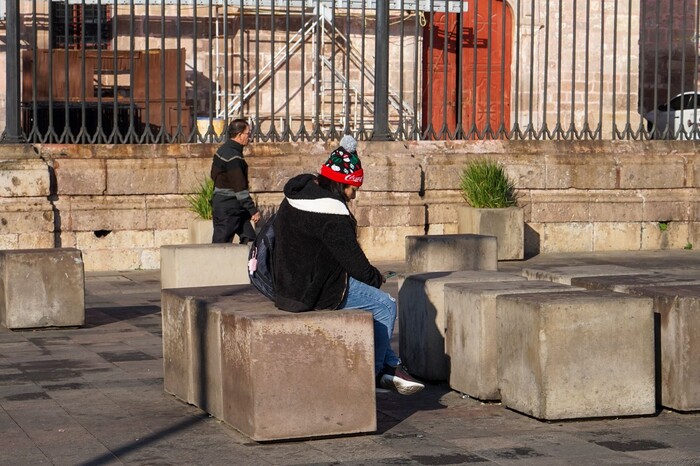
507	225
200	231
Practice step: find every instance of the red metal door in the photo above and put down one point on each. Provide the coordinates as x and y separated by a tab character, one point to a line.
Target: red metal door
477	46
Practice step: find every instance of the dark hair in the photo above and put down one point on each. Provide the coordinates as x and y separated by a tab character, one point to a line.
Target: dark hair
335	187
236	127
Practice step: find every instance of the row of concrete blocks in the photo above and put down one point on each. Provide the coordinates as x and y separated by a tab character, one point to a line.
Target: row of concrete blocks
270	374
574	349
46	287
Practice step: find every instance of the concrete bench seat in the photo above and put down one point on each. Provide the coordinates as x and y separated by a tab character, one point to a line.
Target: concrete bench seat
577	354
422	318
270	374
471	337
444	253
191	265
42	288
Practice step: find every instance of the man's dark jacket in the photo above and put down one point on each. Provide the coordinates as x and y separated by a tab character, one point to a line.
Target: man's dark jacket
229	171
316	249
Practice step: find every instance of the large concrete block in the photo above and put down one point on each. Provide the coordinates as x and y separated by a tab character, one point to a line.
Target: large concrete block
42	288
677	343
471	337
506	225
576	354
270	374
444	253
290	375
191	265
422	318
192	344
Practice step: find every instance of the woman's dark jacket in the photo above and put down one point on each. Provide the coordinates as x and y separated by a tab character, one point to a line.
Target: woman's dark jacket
316	249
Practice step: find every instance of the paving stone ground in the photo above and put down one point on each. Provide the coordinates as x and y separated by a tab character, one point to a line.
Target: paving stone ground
94	395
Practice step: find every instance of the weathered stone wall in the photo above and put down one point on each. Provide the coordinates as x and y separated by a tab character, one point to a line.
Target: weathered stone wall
119	204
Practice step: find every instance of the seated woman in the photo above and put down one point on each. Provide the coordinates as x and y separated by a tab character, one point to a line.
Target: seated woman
318	263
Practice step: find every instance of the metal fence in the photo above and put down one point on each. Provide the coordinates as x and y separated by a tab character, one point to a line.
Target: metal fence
164	71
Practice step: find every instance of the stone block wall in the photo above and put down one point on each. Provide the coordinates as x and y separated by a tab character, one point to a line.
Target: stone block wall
119	204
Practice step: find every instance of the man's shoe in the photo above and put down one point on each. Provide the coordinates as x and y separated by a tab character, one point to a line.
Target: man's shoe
398	380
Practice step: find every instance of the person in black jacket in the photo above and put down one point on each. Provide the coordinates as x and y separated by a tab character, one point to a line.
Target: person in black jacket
232	206
319	264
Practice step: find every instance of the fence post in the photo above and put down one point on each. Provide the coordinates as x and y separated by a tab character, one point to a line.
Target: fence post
381	73
13	132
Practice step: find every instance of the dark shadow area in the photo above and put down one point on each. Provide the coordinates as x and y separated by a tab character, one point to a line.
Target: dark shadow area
96	317
393	409
532	242
657	359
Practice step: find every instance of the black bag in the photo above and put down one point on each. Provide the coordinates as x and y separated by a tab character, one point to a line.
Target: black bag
260	259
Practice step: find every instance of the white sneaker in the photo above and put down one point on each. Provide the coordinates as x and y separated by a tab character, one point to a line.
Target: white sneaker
398	380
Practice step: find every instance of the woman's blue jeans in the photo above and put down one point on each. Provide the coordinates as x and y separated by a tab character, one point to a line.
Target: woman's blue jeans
383	307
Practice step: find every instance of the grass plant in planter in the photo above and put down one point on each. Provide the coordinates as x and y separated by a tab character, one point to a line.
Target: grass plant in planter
201	228
492	208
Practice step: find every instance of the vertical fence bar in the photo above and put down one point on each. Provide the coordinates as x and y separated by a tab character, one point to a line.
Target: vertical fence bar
35	133
544	130
346	72
302	134
585	130
147	136
517	133
381	80
502	130
361	130
13	131
488	131
415	132
598	133
286	128
131	133
460	36
572	122
272	133
530	131
99	133
474	132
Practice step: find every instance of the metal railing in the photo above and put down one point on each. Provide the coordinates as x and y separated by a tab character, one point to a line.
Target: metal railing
167	71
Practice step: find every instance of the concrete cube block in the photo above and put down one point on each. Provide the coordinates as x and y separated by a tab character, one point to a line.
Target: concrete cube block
192	345
42	288
507	225
576	354
677	308
193	265
471	337
295	375
270	374
444	253
422	318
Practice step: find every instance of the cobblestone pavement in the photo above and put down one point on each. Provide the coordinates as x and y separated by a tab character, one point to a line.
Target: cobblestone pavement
94	395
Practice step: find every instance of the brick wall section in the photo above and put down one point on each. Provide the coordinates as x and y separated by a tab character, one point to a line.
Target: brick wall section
119	204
